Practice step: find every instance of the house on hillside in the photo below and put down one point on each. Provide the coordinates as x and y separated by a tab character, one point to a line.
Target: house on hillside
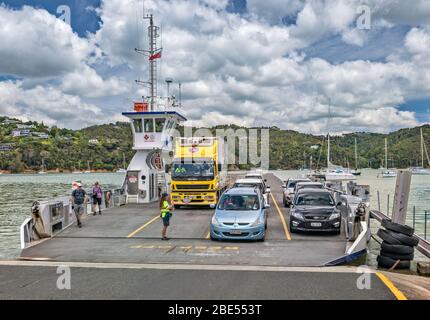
6	147
9	121
41	135
93	141
25	126
20	133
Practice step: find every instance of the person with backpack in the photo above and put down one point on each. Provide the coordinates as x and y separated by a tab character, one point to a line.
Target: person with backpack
79	198
97	195
165	214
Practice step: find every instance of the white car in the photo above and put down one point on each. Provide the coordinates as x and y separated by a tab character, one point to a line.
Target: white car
288	190
253	183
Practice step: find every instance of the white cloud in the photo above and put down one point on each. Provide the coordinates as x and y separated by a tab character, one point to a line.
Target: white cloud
46	104
34	43
248	70
86	82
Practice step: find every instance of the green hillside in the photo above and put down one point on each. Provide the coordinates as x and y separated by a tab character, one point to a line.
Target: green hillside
66	150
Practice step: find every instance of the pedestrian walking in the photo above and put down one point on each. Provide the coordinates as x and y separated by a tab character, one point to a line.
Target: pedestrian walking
79	198
97	195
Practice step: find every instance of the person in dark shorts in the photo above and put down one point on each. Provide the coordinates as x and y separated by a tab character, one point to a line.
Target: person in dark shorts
165	214
97	195
79	197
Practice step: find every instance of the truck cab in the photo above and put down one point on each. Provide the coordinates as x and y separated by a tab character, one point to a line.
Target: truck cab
198	171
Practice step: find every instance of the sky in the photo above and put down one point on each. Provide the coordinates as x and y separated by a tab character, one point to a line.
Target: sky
300	65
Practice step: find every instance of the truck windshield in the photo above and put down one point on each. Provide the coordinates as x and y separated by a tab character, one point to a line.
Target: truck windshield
195	171
314	199
239	202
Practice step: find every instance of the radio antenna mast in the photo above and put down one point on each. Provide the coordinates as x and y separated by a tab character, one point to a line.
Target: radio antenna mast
153	34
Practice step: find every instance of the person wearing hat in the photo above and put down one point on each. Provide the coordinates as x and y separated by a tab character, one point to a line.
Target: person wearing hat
165	214
78	202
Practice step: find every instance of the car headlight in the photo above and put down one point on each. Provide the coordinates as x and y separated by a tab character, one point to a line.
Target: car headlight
258	222
215	222
334	215
297	215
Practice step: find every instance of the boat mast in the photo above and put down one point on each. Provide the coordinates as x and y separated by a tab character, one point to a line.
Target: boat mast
386	154
422	148
355	143
328	135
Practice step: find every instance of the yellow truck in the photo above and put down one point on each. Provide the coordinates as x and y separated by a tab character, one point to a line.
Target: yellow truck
199	171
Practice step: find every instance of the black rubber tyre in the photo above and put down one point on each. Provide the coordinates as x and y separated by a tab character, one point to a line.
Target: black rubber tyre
384	235
406	230
397	256
292	230
396	248
404	239
385	262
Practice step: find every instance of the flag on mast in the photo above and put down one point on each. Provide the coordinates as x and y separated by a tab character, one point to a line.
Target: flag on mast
155	56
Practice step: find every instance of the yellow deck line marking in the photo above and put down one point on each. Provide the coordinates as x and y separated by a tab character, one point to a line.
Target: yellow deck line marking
142	227
231	248
287	233
208	235
397	293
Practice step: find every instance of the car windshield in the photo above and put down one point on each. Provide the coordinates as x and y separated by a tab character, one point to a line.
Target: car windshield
239	202
193	170
314	186
292	184
314	199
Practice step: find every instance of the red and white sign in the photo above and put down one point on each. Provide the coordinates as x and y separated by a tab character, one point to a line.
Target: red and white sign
132	179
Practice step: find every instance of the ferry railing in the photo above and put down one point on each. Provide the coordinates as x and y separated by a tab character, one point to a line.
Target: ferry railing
56	215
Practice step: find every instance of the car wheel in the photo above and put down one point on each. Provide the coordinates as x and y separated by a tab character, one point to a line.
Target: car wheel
399	228
292	230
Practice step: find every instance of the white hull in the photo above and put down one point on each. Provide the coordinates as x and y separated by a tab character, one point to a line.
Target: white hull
420	171
339	176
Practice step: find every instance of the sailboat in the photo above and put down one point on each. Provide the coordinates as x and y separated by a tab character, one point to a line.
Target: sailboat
388	173
78	171
334	173
88	166
356	172
421	170
42	167
122	170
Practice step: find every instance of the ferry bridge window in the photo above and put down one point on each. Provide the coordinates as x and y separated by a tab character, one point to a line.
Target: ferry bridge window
149	125
159	124
137	123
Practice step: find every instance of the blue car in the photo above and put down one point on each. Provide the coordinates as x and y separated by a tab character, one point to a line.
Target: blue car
240	215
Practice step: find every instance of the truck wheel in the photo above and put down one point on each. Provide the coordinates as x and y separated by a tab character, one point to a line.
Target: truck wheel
392	226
